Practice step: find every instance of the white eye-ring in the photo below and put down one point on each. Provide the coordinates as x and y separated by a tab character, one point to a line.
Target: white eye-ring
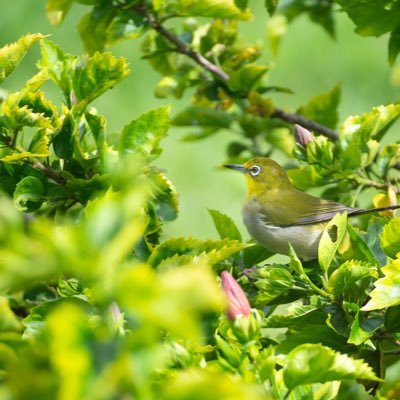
255	170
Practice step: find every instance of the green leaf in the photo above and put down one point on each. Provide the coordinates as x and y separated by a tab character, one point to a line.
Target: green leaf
204	117
143	135
351	280
95	75
126	25
255	255
331	239
271	6
214	251
57	10
93	27
39	146
209	8
275	282
313	363
394	45
363	328
392	319
387	289
276	29
390	238
63	141
225	226
323	108
374	17
164	195
28	195
241	4
58	64
247	77
360	246
358	130
8	320
12	54
296	313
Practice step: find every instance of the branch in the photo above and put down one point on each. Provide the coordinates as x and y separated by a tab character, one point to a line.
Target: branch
305	123
181	46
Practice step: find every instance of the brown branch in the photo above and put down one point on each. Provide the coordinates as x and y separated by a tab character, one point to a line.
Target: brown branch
305	123
181	46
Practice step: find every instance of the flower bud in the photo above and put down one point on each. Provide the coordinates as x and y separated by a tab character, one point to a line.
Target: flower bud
302	135
238	303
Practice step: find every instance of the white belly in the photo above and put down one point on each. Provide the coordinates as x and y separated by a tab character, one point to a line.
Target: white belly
304	239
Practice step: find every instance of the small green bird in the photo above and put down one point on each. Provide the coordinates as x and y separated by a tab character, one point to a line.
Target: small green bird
276	213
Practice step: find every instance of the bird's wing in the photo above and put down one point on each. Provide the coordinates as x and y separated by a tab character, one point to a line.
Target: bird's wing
323	212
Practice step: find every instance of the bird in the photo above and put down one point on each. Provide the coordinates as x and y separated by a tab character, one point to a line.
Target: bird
276	213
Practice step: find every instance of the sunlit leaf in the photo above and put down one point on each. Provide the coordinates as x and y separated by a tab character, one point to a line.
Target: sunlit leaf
390	238
311	363
143	135
12	54
387	289
28	195
225	226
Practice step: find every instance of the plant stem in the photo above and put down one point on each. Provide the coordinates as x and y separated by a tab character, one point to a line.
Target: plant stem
183	48
305	123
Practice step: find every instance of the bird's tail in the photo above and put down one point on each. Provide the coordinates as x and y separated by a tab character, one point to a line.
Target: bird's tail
372	210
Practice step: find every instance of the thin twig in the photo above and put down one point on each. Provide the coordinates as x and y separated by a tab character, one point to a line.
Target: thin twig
181	46
305	123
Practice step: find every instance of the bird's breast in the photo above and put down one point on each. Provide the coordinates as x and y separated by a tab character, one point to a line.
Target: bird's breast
303	238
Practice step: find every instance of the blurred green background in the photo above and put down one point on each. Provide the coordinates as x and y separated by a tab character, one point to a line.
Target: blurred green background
309	62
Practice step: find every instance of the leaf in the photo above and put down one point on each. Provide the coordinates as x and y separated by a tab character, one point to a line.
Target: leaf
246	78
275	282
12	54
359	244
204	117
39	146
143	135
394	45
313	363
387	289
390	238
164	194
214	251
91	77
225	226
351	280
241	4
28	194
392	319
126	25
209	8
63	141
271	6
254	255
58	64
323	108
372	18
93	27
358	130
276	28
296	313
57	10
363	328
331	239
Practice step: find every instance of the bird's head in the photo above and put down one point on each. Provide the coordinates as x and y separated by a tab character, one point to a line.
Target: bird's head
262	174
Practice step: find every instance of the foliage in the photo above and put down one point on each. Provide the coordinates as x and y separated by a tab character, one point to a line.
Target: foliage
97	303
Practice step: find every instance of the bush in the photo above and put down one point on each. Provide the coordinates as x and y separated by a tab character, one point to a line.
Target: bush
96	303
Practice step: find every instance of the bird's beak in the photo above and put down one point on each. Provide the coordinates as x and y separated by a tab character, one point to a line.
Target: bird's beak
236	167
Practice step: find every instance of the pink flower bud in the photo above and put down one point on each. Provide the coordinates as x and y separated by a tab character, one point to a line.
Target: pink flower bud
302	135
238	303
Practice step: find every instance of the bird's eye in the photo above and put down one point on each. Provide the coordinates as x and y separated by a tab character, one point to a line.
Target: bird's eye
255	170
